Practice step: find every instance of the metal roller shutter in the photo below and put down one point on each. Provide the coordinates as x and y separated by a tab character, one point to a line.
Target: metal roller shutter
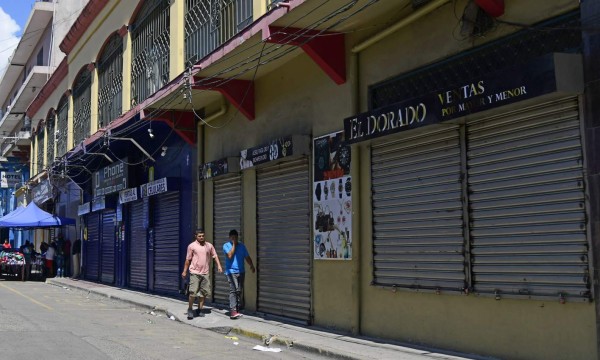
227	216
527	203
167	269
417	210
91	256
108	246
284	247
138	270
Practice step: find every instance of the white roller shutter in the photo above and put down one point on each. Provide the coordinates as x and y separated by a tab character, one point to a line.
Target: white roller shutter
527	203
417	210
227	209
284	246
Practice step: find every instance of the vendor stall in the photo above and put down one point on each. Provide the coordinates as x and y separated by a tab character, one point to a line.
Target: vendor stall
12	264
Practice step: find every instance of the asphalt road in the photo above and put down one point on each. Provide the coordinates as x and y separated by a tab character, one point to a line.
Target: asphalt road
41	321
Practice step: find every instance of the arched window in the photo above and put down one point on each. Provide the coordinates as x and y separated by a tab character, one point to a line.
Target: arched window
210	23
62	128
150	50
40	149
110	85
51	136
82	106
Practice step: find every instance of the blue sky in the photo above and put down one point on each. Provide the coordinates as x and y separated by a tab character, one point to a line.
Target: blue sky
13	15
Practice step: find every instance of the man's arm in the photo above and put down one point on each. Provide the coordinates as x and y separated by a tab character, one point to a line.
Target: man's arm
185	268
231	251
249	261
219	268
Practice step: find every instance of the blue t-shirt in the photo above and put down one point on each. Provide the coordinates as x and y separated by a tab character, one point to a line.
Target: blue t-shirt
235	265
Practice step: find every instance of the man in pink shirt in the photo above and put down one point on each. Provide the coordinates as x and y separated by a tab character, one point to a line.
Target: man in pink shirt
197	261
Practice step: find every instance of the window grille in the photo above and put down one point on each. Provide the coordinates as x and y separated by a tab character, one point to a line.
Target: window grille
211	23
62	126
51	138
110	77
40	151
82	106
150	46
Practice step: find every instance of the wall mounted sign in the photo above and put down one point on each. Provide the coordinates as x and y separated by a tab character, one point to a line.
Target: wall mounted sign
10	179
42	192
128	195
110	179
219	167
276	149
83	209
99	203
155	187
544	75
332	198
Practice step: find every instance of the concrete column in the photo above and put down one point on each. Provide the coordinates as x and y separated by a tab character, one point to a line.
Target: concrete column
250	235
177	44
259	8
126	93
70	123
93	100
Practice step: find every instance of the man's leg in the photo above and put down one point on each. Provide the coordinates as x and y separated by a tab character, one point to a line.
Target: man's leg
240	300
232	293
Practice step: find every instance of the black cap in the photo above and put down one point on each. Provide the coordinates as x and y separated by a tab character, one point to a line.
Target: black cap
233	232
199	230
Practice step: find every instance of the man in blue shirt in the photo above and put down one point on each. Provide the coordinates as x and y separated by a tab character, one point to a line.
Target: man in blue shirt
235	254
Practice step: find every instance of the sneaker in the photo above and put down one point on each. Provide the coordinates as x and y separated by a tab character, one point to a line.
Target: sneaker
199	313
190	314
234	315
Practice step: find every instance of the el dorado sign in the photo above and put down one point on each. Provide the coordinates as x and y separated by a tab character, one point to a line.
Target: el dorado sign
542	76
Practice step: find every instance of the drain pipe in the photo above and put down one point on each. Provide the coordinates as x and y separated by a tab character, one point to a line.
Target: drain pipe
414	16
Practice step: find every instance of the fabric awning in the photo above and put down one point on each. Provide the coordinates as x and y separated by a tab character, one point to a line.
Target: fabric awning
33	217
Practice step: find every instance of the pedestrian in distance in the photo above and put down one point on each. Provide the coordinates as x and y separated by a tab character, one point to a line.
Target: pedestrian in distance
6	244
235	254
197	261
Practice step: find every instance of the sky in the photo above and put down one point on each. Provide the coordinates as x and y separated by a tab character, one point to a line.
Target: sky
13	15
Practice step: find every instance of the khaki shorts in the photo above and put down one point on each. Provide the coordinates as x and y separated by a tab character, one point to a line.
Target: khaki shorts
199	285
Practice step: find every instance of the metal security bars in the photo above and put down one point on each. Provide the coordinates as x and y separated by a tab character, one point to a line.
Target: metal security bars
62	126
51	138
150	46
82	107
210	23
40	151
110	76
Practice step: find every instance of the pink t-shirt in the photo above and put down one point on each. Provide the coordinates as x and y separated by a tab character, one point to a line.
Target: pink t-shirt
199	257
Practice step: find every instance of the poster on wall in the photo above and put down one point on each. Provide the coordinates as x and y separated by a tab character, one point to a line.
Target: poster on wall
332	198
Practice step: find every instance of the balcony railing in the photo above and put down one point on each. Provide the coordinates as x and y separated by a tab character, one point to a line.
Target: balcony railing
110	74
210	23
82	107
62	119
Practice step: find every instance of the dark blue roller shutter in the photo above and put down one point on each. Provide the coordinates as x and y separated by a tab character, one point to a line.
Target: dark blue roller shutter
91	256
166	242
109	218
138	270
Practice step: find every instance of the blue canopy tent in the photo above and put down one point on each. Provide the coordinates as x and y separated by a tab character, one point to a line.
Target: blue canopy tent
13	213
33	217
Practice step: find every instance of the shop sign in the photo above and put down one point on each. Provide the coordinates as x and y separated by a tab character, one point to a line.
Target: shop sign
277	149
541	76
332	198
42	192
99	203
9	179
219	167
84	208
110	179
128	195
155	187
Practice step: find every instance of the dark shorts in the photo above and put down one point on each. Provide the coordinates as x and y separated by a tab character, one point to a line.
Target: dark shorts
199	285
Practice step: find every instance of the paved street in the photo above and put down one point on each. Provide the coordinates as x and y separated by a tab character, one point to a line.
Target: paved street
38	320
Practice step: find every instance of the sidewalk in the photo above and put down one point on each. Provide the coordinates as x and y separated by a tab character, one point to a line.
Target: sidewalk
310	339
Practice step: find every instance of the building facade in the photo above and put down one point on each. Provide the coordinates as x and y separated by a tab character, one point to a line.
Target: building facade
418	171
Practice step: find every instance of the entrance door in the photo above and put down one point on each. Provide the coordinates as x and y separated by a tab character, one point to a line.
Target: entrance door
138	270
109	218
91	256
167	267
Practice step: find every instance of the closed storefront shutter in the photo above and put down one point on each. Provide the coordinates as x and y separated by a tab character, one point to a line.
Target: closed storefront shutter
284	251
417	210
167	270
227	216
109	218
527	203
137	247
91	257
